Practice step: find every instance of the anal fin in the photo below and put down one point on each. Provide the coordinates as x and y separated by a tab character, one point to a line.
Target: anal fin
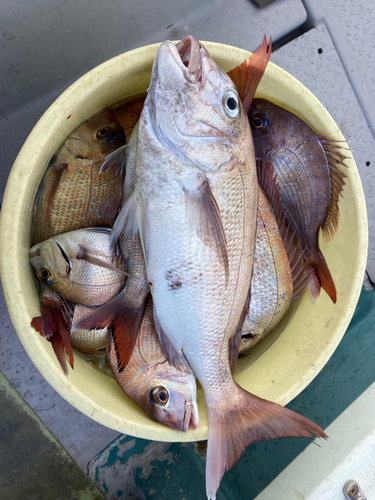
174	358
235	341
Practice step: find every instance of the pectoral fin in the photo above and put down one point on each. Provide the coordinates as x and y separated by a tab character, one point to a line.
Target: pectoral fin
203	216
299	269
85	255
134	217
124	317
117	159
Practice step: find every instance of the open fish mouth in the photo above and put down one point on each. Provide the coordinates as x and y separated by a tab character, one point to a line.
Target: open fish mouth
187	55
191	419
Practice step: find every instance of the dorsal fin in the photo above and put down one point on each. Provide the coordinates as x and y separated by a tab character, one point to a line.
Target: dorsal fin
300	271
335	159
247	75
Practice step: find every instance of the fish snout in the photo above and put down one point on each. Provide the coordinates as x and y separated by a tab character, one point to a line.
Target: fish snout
186	56
191	418
189	52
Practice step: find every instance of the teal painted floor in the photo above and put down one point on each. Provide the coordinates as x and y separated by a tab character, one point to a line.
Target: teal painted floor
131	468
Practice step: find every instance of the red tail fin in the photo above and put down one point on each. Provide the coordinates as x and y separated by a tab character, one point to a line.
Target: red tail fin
247	76
124	318
250	419
322	276
54	326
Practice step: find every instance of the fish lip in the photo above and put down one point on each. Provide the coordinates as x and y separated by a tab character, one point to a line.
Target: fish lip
189	47
191	418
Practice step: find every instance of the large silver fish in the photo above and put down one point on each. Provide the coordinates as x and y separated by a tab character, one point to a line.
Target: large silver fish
191	191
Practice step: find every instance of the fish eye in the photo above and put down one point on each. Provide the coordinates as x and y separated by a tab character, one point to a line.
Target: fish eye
160	395
104	133
44	274
260	122
231	104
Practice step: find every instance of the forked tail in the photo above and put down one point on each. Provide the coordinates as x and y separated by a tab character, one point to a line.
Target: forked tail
248	420
321	276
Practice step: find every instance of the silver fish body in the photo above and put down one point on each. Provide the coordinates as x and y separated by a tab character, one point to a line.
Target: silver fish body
271	283
88	341
79	266
191	189
191	192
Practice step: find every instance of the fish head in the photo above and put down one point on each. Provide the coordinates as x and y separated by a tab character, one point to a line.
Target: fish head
193	108
270	126
52	265
166	395
96	138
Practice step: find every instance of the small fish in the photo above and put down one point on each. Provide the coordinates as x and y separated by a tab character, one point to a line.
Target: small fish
309	177
191	194
124	312
88	341
279	272
79	266
163	392
72	195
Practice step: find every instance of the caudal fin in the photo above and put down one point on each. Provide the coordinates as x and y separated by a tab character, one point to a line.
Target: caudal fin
249	420
321	276
125	320
247	75
54	325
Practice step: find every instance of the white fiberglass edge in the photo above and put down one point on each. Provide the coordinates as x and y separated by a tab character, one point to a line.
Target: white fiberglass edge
320	473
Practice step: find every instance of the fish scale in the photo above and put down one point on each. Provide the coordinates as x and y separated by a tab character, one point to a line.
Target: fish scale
85	283
73	194
271	283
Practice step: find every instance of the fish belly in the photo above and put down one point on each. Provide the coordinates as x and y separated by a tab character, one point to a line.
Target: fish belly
197	309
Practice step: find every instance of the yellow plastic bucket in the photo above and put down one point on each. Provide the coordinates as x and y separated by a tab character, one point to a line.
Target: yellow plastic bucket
279	367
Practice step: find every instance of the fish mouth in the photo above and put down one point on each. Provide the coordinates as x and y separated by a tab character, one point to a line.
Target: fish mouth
191	418
187	56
